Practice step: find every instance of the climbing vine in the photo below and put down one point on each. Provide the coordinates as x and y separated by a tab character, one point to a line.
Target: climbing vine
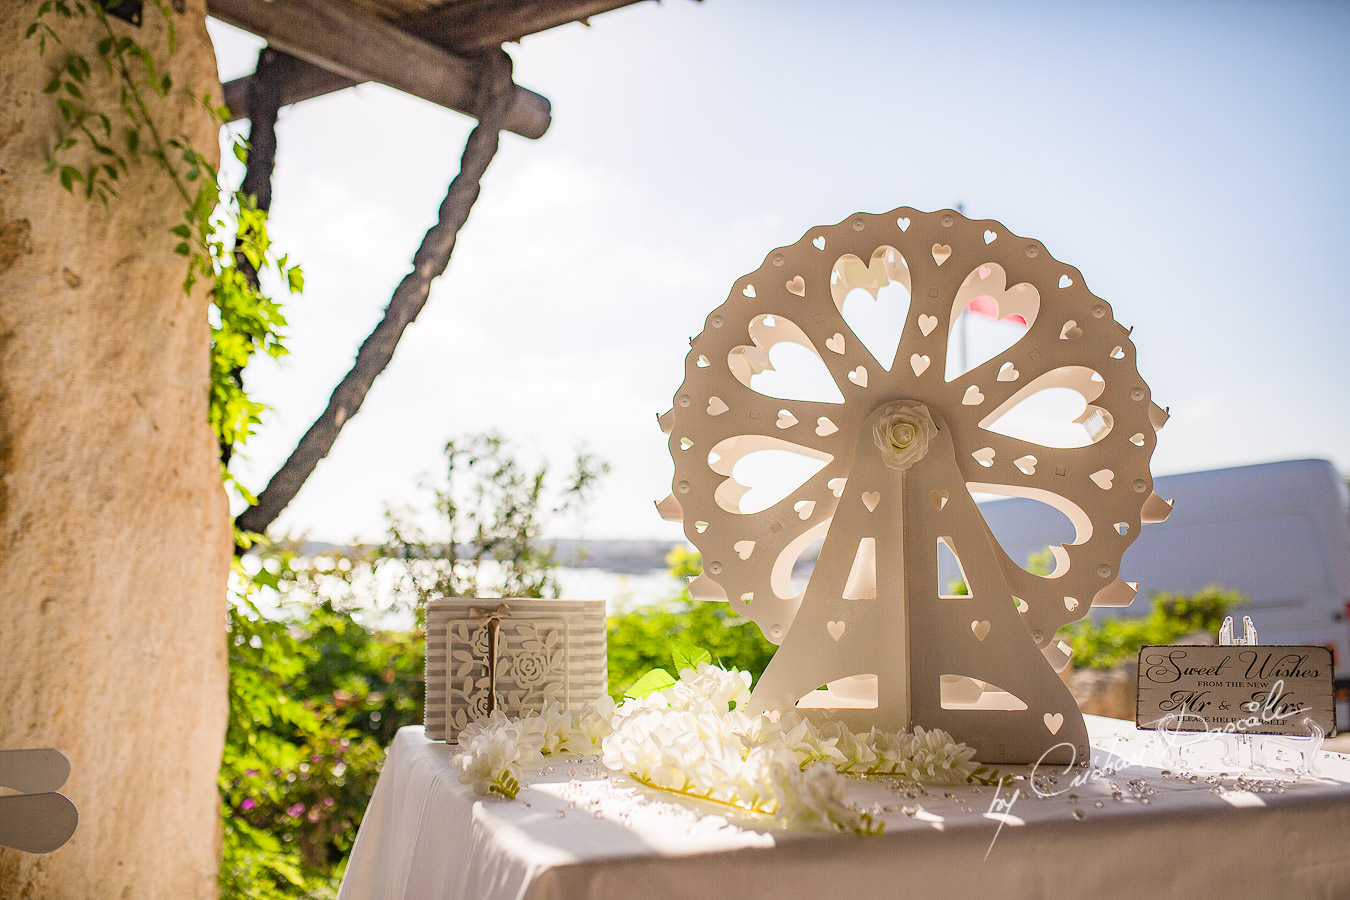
223	234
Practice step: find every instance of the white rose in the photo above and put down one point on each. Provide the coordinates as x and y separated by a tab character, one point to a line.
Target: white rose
902	435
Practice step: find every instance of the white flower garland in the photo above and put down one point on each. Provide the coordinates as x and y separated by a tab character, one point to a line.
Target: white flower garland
695	738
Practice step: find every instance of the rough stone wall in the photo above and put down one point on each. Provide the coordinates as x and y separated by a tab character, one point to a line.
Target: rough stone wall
114	529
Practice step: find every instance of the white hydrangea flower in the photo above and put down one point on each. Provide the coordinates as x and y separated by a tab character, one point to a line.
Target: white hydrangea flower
814	797
488	760
592	726
550	728
804	740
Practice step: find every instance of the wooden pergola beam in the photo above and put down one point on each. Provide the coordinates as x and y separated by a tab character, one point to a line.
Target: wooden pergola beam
332	36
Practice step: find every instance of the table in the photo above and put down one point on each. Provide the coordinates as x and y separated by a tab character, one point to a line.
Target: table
577	831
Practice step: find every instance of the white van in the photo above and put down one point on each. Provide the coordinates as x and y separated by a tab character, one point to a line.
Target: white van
1277	532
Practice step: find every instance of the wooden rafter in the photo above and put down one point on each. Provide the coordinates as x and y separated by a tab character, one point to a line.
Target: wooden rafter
458	27
333	36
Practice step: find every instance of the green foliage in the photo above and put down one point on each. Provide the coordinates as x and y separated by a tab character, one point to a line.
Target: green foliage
308	698
641	640
1105	643
489	508
222	232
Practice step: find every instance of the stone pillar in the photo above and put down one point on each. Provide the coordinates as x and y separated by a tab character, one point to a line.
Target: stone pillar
114	528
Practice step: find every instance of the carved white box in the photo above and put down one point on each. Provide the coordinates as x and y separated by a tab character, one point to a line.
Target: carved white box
512	654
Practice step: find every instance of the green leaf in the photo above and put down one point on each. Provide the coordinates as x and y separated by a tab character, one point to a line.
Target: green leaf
182	249
181	230
687	656
653	681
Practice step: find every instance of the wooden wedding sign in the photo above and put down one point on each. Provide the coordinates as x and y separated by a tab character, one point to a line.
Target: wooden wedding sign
1236	689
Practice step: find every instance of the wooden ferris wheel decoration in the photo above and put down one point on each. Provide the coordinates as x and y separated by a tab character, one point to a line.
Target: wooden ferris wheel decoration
889	442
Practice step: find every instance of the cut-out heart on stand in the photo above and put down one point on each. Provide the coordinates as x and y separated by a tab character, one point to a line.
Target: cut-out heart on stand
919	363
824	427
972	396
980	628
990	237
1070	603
870	500
785	419
927	323
804	509
1103	478
835	344
744	548
797	286
835	628
749	291
938	498
941	253
1026	464
1065	281
819	243
836	486
716	406
984	456
1053	721
858	376
902	222
1070	331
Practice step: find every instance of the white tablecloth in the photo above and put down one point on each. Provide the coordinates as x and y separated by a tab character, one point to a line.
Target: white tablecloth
578	832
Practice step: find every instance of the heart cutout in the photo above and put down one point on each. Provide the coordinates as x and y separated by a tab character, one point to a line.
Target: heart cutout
870	500
797	286
716	406
941	253
919	363
785	419
819	242
744	548
858	376
902	222
1026	464
836	486
748	597
1070	331
1065	281
1118	353
938	498
1137	439
984	456
981	628
824	427
927	323
984	272
1103	478
1053	721
835	628
972	396
749	291
1070	603
990	237
1007	372
835	344
804	508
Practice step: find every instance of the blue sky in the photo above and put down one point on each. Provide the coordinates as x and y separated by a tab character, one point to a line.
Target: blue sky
1187	158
